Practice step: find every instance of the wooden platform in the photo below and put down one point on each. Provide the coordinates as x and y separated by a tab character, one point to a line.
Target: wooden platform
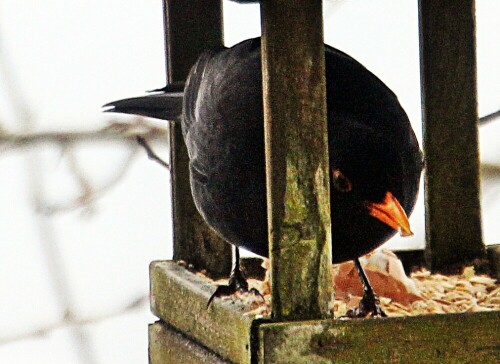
188	332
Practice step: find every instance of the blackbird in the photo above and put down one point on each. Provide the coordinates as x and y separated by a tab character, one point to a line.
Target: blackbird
375	159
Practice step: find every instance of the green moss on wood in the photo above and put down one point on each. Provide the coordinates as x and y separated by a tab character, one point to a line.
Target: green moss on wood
168	346
180	298
296	158
453	338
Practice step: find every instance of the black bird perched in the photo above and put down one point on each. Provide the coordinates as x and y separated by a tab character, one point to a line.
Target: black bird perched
375	159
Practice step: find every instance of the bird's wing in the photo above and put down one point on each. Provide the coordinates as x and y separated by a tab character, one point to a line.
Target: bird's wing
191	90
223	106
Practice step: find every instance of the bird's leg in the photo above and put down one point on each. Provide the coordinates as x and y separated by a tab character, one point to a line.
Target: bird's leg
369	303
237	282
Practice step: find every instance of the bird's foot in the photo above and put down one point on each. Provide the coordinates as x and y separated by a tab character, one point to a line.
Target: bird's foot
237	283
369	306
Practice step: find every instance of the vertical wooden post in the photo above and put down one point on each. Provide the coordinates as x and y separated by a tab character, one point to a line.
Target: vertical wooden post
449	97
298	196
190	28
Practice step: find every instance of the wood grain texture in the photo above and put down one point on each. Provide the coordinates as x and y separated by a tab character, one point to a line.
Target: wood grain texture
452	338
190	30
450	121
180	298
298	196
169	346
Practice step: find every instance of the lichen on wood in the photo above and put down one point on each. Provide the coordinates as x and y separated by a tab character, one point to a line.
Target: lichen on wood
295	131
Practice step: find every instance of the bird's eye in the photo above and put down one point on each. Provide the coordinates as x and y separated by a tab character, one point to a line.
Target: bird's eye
341	182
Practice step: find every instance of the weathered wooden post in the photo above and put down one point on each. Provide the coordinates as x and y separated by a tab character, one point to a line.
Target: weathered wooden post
450	121
298	194
190	30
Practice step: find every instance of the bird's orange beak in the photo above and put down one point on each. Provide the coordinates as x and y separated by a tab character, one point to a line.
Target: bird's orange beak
390	212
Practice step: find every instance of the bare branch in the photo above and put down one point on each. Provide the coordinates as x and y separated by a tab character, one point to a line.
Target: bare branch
69	321
115	131
151	154
490	171
90	193
489	118
84	184
46	230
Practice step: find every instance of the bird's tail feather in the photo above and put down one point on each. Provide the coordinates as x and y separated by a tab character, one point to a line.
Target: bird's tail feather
165	106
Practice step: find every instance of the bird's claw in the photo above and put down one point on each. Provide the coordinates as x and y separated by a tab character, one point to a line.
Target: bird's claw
237	283
221	291
368	306
257	293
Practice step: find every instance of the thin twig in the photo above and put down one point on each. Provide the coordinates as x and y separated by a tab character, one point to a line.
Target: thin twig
151	154
46	230
115	131
490	170
489	118
71	321
86	188
93	193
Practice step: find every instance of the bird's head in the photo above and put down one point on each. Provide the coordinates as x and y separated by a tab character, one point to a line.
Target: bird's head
387	209
370	196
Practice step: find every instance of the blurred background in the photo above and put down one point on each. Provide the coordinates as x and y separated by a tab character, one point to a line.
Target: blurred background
82	209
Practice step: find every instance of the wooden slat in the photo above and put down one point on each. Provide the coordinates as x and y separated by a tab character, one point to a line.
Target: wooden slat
168	346
415	259
450	120
452	338
180	297
296	158
189	30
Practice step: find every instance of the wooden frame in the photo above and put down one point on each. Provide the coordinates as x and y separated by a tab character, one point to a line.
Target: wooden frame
188	332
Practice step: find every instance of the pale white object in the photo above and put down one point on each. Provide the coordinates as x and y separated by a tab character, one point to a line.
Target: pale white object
385	273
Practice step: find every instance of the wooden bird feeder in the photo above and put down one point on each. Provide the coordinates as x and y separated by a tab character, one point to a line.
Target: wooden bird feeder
300	330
